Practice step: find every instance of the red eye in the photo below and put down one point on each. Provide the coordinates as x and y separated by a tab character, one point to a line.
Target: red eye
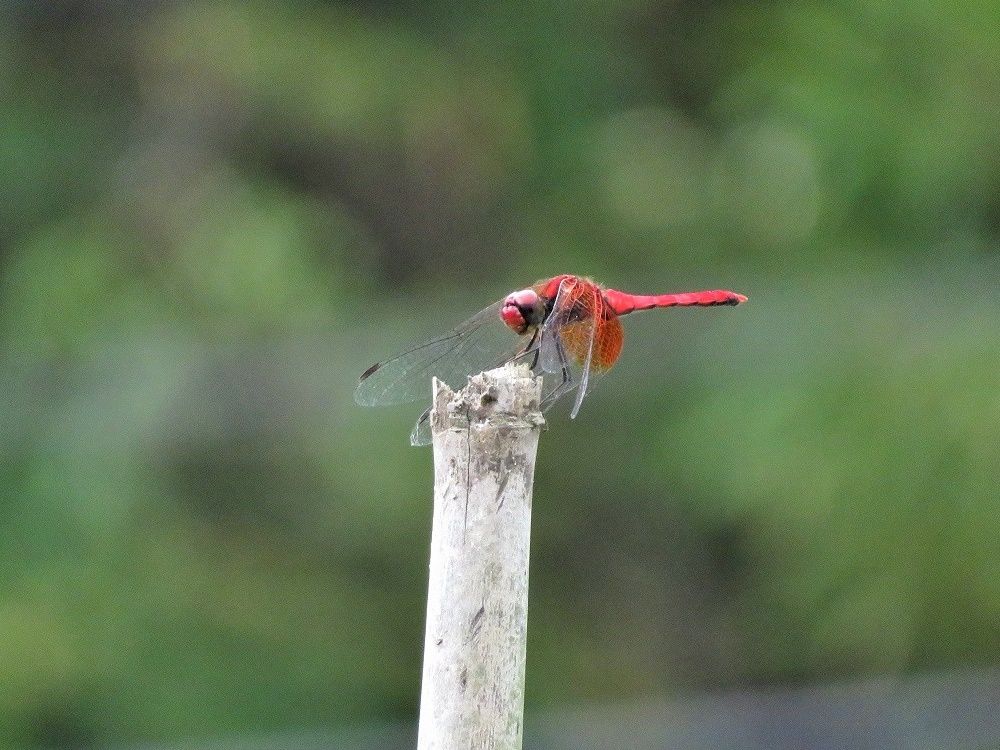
512	315
524	299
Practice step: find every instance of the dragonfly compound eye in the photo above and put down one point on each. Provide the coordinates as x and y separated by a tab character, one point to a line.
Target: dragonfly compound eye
522	310
512	316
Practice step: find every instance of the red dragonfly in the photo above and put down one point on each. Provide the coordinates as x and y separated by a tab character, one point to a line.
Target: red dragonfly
566	328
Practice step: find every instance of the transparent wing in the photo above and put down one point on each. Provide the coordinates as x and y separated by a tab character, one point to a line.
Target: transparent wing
581	390
552	357
421	433
480	343
567	340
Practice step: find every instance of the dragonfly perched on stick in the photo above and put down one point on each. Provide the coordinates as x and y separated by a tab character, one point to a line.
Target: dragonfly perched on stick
566	327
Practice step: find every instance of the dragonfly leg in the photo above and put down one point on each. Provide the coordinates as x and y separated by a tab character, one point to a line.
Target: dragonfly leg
531	343
566	381
556	393
528	348
534	360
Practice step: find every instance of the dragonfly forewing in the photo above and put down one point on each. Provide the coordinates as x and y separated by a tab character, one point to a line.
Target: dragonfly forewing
566	344
480	343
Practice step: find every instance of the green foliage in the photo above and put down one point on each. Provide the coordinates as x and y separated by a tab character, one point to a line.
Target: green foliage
218	214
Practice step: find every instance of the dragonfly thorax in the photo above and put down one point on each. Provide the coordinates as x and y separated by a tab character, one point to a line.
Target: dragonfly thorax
523	310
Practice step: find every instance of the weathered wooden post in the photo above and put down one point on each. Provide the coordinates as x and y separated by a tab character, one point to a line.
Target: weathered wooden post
485	438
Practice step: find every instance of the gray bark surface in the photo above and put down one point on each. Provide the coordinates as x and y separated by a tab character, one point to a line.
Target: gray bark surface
485	439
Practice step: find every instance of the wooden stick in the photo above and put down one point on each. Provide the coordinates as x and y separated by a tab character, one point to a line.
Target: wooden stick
485	438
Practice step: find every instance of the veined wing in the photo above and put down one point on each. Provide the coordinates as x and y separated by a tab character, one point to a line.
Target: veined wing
568	338
480	343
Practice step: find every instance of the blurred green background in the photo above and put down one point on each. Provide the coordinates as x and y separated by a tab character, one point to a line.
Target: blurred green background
215	215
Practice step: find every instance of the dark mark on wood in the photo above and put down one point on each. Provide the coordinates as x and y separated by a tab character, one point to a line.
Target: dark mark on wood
503	485
476	623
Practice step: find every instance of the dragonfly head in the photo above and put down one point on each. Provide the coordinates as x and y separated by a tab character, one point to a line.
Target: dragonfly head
523	310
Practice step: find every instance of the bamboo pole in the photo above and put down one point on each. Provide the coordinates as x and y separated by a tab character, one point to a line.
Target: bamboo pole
485	438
